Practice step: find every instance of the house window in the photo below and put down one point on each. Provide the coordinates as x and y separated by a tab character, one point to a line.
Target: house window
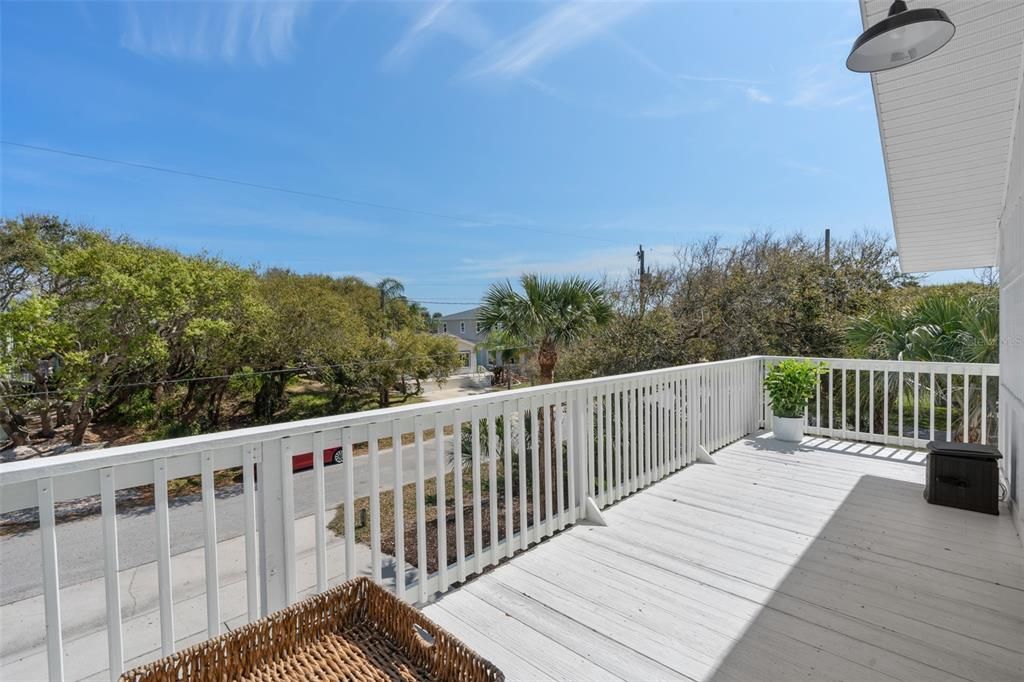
444	327
462	327
464	357
479	327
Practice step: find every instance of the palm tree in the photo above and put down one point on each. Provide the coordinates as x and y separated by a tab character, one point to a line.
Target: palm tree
548	314
390	289
937	327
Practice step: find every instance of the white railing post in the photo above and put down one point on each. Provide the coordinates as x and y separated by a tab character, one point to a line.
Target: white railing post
273	579
51	582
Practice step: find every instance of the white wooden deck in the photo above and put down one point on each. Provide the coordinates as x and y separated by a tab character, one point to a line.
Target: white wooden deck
816	562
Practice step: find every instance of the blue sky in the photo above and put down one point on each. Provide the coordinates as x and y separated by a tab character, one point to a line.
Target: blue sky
556	136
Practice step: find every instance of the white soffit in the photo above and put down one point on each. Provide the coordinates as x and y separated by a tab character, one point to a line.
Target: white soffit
947	126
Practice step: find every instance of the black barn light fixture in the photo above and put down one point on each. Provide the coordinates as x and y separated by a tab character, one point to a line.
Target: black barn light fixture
905	36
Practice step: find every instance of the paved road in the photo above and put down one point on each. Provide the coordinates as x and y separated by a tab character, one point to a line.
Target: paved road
80	543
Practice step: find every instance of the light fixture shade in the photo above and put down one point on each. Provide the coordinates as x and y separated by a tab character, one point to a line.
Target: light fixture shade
901	38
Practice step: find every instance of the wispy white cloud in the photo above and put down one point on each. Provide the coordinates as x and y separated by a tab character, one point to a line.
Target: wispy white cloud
677	109
715	79
612	262
759	96
822	87
456	19
231	31
563	28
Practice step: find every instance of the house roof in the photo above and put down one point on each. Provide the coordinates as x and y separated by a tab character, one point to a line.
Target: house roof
461	343
947	124
463	315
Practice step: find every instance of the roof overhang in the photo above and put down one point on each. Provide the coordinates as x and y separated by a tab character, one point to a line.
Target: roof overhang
947	126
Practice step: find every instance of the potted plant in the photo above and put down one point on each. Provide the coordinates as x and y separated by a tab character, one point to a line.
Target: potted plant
790	385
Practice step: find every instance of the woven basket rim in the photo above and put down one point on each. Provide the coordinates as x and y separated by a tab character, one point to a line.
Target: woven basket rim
286	633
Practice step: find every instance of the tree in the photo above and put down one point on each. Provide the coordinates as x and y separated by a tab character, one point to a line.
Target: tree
942	324
310	327
952	323
547	314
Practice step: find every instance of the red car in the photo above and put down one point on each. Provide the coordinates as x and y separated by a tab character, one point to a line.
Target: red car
305	460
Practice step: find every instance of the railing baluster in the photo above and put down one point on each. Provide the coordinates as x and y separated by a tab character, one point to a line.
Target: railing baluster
399	504
885	406
559	464
581	441
441	495
51	582
111	582
677	412
210	546
320	511
842	395
949	406
163	548
506	420
422	571
373	453
871	401
549	503
288	520
693	414
967	409
535	429
616	445
478	538
856	401
931	405
348	457
654	403
899	407
459	492
600	493
621	432
917	417
659	429
252	583
645	404
492	481
524	536
609	448
817	404
984	407
832	397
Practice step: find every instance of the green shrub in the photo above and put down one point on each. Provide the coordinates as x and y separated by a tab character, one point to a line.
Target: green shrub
791	385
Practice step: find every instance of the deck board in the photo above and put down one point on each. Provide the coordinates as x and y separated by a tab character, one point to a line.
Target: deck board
816	562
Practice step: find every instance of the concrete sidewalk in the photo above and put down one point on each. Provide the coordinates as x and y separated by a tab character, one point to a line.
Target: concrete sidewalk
83	607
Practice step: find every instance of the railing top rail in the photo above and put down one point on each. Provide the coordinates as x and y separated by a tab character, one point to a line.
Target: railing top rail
929	365
59	465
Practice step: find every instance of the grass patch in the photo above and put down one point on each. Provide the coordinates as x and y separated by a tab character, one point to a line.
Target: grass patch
387	507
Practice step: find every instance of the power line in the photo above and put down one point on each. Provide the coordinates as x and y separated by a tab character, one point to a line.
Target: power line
299	192
306	368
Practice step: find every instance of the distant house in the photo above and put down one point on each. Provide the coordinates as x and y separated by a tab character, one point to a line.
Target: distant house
468	332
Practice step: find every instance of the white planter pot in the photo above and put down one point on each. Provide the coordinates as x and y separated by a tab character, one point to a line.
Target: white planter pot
790	429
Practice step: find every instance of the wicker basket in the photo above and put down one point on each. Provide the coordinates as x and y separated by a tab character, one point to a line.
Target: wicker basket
356	631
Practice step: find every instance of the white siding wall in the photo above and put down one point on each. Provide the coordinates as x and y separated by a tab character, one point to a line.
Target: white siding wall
1011	316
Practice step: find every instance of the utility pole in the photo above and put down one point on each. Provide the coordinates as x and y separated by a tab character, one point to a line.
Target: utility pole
643	278
828	247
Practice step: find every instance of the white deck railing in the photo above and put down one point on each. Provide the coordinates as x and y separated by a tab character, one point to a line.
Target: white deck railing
905	403
600	439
